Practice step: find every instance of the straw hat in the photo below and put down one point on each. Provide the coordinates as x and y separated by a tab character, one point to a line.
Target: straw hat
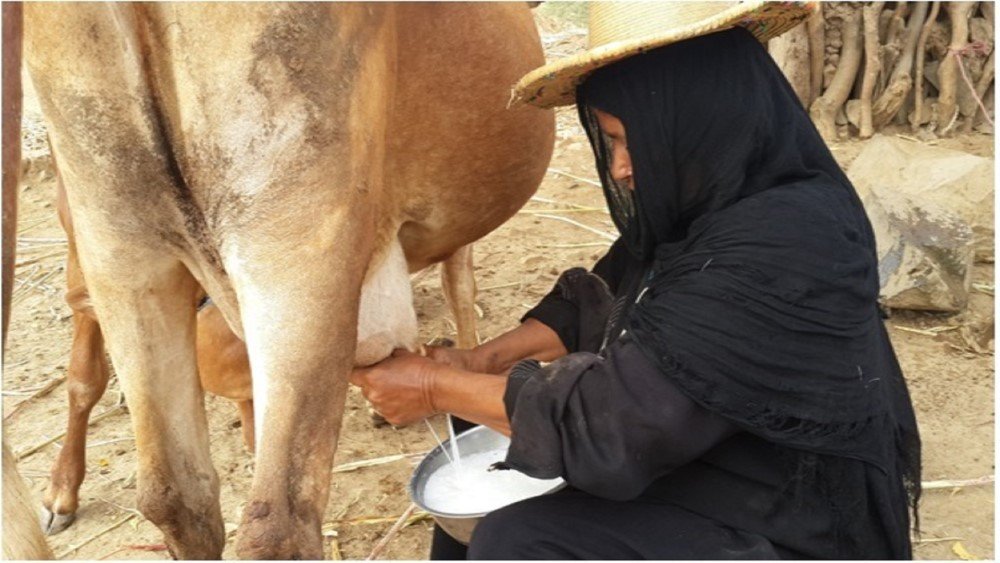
622	29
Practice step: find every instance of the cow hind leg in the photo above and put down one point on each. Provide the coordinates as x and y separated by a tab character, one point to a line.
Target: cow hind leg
87	379
149	323
300	356
459	283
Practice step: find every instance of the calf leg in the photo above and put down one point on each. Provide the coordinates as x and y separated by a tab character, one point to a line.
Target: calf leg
459	283
87	378
148	317
223	366
246	423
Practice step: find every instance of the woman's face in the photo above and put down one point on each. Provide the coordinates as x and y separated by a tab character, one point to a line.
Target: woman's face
621	163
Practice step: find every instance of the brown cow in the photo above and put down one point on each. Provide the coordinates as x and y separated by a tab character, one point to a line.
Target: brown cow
223	368
296	161
22	538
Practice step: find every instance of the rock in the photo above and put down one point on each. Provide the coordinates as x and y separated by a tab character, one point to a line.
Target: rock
954	181
925	253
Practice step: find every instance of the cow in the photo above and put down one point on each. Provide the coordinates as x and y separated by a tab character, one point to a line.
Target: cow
22	538
223	367
296	161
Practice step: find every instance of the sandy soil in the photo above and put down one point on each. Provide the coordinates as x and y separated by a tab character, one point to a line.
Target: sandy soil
952	384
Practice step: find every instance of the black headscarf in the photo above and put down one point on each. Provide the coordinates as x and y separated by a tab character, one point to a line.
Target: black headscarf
761	298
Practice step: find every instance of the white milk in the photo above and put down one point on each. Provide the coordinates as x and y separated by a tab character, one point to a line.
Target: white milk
469	488
456	457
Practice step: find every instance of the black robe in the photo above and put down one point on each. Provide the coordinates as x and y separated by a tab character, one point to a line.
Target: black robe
644	436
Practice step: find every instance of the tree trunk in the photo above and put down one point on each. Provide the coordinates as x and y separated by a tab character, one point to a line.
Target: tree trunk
816	54
984	84
988	10
918	84
871	14
988	101
893	44
979	65
883	25
886	106
833	42
948	72
791	52
824	109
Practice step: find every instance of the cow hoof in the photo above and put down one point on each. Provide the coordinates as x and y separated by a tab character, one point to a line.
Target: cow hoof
378	421
442	342
55	523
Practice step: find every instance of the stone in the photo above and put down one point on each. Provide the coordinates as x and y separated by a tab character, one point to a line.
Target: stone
925	253
953	181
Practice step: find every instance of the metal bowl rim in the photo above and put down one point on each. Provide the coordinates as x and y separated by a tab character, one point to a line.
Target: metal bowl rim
438	451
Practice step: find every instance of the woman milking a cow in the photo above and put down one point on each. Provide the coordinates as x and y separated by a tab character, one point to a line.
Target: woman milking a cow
720	383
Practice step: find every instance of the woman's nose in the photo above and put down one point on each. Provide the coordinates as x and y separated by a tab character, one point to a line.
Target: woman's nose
621	168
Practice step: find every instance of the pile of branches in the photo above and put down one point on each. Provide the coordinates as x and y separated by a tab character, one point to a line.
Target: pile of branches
862	66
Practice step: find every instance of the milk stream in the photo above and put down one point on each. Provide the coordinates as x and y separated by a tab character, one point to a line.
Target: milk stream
438	439
456	457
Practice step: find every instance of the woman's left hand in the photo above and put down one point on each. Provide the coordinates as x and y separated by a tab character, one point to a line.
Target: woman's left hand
400	387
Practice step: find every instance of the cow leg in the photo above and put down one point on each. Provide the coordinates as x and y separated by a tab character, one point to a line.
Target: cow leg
87	379
300	327
148	317
459	283
246	423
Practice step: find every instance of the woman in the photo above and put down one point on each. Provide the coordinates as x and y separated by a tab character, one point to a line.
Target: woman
723	386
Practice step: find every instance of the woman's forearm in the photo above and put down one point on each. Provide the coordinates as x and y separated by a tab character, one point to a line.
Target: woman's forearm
532	339
476	397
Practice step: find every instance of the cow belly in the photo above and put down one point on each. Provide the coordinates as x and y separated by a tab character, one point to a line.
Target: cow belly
386	319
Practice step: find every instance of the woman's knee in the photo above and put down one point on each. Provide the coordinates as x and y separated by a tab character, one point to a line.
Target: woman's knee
511	532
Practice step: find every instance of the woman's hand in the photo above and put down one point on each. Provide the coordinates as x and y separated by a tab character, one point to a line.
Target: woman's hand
406	388
401	387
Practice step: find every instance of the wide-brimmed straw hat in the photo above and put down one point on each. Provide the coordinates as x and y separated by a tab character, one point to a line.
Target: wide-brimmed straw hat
624	29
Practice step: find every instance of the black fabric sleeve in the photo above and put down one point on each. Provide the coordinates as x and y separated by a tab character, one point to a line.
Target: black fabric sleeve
577	308
613	265
609	426
518	376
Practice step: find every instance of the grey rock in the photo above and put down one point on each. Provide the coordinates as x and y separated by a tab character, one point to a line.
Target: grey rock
932	212
954	181
925	254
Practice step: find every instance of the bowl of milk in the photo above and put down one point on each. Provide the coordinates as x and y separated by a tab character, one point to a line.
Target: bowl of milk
455	485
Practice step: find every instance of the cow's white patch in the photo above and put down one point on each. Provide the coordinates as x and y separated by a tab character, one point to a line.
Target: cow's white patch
386	319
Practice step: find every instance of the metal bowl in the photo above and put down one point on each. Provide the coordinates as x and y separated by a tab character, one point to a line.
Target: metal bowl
475	440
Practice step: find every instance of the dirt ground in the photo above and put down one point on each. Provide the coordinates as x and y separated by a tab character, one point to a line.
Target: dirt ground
952	384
